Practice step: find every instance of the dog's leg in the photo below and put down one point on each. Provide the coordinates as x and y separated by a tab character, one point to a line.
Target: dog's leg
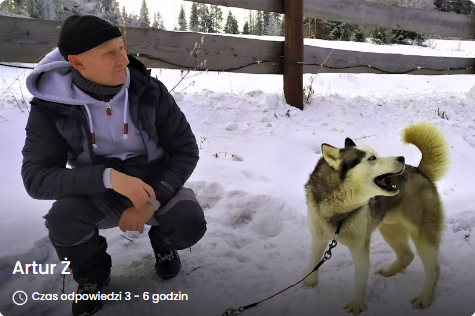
397	236
318	248
429	255
360	256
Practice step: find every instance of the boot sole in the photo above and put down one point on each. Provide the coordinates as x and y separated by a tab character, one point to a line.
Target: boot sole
169	276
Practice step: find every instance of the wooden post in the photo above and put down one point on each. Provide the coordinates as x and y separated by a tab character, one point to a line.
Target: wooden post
293	52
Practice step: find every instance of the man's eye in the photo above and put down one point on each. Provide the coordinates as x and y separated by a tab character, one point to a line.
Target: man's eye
372	158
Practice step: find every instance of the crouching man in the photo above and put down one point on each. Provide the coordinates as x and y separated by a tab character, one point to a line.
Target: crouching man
129	146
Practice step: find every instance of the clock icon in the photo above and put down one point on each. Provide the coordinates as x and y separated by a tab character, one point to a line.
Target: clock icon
20	297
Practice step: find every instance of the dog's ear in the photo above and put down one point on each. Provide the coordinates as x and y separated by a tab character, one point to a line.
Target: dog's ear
349	143
331	155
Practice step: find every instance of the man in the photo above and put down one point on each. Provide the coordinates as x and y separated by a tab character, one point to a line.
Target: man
129	146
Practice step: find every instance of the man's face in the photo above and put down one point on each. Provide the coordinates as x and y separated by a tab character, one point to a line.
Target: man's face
105	64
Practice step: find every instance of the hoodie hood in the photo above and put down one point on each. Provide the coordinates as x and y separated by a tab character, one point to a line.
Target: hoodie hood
52	81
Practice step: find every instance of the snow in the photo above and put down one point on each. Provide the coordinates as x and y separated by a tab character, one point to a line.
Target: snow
258	242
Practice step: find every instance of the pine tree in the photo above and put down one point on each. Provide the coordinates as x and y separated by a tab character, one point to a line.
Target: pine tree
205	20
283	25
44	10
341	31
160	23
278	21
253	22
16	6
407	38
245	29
457	6
227	25
155	21
234	26
260	23
217	19
266	19
273	29
144	15
194	18
182	20
387	36
133	20
110	11
381	36
123	17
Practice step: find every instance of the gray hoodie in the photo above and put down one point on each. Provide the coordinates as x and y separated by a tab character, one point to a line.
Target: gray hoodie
51	80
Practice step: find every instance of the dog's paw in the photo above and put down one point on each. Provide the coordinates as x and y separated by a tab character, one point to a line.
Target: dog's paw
422	301
388	271
311	280
355	308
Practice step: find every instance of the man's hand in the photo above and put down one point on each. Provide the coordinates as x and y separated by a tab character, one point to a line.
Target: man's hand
134	219
135	189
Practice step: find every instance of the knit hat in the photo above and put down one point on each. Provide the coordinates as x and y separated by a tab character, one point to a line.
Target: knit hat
81	33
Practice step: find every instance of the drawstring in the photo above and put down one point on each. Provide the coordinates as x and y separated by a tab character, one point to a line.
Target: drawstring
93	136
126	126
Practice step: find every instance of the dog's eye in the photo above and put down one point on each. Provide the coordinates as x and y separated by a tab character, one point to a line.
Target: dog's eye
372	158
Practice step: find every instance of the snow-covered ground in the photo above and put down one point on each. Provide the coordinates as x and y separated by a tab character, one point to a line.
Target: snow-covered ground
257	241
432	47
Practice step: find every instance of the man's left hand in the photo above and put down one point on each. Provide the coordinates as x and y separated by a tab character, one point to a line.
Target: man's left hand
134	219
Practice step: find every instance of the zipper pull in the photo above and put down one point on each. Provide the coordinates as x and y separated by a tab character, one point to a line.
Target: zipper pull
109	110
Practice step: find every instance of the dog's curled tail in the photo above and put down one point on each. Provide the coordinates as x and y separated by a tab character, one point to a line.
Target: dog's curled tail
429	140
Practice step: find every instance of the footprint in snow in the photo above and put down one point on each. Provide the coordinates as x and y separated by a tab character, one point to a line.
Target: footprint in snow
259	214
464	221
207	193
252	176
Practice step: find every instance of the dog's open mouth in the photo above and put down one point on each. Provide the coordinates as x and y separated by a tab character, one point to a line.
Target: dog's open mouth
386	183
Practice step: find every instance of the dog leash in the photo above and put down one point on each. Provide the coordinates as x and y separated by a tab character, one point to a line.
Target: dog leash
326	256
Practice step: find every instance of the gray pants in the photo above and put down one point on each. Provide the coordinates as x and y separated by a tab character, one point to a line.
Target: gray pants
73	224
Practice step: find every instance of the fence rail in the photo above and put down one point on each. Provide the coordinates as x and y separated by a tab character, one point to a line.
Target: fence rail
27	40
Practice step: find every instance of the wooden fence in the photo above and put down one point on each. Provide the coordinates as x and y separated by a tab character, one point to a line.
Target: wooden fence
27	40
370	13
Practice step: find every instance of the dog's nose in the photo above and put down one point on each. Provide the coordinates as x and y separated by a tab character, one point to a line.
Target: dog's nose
400	159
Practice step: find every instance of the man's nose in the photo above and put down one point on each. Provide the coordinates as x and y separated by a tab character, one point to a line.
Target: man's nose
123	59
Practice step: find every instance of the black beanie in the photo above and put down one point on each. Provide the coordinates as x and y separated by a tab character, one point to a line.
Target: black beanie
81	33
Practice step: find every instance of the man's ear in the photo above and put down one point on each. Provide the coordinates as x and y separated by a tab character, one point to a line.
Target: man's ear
331	155
349	143
76	62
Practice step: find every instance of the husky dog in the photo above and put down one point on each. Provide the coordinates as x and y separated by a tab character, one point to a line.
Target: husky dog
368	192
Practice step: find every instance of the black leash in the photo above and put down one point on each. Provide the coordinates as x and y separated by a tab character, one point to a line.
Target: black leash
64	279
326	256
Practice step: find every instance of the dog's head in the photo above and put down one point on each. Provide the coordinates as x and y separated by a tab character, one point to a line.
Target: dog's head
362	169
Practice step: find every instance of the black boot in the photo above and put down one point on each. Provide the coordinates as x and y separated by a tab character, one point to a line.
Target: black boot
168	263
91	268
93	304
